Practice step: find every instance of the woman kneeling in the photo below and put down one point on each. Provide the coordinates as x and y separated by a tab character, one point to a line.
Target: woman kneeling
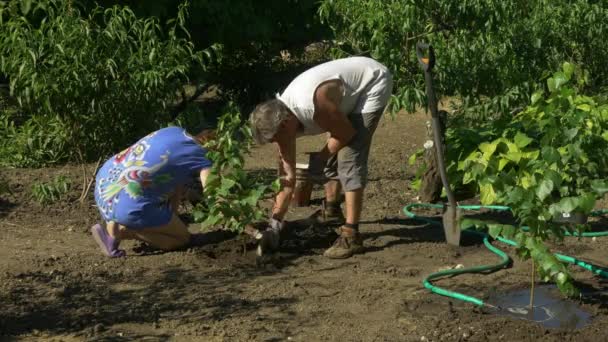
138	191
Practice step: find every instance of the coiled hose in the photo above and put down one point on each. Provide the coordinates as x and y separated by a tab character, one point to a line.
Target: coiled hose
504	258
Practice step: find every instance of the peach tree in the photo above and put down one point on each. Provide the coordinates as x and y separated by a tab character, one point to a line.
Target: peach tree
549	161
231	197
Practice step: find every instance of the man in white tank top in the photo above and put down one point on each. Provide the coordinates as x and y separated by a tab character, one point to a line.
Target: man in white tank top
345	98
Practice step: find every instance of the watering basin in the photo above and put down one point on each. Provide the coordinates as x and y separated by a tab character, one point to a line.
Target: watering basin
550	308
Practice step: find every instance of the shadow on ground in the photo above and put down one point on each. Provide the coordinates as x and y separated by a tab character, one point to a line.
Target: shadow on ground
68	302
6	207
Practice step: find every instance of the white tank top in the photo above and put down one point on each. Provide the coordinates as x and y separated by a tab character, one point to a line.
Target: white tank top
367	88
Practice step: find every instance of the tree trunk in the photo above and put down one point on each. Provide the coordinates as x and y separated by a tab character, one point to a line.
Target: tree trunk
431	186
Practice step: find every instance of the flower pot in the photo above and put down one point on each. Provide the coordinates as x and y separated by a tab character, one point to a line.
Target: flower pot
571	217
303	188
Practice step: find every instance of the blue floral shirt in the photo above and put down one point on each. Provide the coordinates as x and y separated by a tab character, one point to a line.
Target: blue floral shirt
133	187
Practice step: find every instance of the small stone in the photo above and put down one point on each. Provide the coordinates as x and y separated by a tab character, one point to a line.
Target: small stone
594	239
423	338
465	335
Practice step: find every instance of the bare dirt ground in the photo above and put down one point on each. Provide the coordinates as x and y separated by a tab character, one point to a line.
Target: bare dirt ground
55	285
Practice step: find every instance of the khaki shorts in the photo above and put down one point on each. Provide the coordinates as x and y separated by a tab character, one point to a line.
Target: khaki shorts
350	164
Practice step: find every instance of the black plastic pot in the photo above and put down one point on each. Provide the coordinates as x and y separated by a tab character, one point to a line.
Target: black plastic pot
572	218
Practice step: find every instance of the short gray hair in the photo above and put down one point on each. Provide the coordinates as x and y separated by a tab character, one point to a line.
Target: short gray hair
266	118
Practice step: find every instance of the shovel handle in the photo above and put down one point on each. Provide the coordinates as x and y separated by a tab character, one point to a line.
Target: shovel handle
426	60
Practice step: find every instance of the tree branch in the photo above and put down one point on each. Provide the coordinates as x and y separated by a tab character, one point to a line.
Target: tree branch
200	90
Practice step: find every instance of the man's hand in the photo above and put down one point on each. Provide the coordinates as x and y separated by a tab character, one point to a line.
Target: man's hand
269	240
276	225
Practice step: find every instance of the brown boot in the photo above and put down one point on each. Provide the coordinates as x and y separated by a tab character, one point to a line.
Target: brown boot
348	243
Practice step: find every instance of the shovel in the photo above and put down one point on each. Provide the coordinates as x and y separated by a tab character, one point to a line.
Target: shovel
451	214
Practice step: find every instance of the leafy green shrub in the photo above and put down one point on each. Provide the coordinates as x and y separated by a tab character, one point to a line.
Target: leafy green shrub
489	52
252	35
39	140
552	158
102	78
52	191
231	195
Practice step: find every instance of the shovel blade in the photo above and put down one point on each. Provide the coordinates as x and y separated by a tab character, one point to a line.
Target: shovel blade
451	225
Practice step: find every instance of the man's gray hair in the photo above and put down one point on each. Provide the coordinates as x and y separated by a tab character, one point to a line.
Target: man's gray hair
266	118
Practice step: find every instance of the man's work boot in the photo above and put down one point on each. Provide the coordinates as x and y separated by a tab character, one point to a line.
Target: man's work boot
348	243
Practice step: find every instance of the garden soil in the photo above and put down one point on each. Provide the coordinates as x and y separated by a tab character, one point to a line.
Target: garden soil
56	286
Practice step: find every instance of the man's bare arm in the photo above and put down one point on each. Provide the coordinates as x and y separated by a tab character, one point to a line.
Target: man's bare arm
286	142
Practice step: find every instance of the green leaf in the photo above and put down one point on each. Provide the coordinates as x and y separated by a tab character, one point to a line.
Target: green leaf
571	133
565	205
26	5
412	159
508	231
276	185
554	176
502	163
584	107
515	195
513	147
467	223
494	230
544	189
488	149
561	278
550	154
531	155
526	181
537	96
488	196
227	184
552	85
568	69
586	202
211	220
522	140
254	197
560	79
514	156
599	186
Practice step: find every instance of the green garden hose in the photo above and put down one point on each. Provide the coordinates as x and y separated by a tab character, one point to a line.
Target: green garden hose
503	256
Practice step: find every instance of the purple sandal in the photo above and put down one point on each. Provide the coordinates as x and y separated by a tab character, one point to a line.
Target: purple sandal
107	244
